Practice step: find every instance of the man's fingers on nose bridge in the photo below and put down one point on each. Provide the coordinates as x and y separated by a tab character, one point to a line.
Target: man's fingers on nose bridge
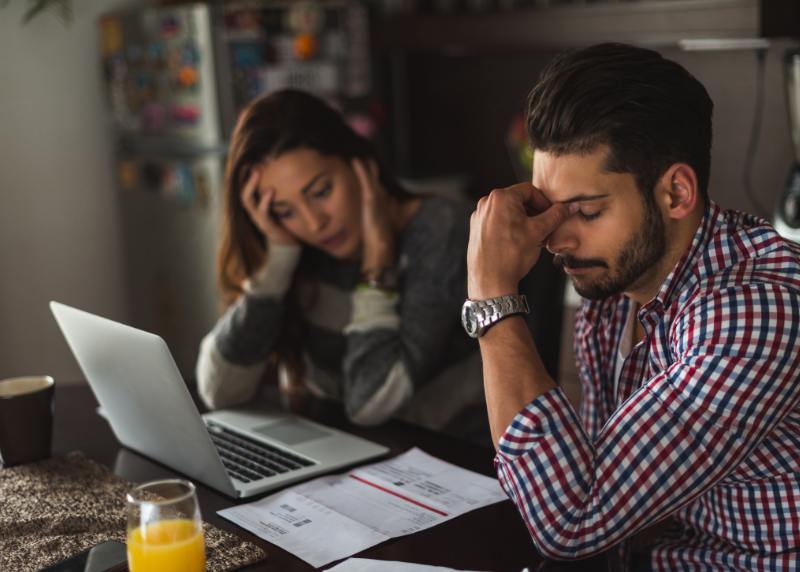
523	192
548	221
537	199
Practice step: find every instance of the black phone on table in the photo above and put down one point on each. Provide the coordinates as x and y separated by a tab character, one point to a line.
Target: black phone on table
109	556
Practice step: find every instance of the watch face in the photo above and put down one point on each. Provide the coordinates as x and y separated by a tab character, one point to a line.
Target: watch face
468	318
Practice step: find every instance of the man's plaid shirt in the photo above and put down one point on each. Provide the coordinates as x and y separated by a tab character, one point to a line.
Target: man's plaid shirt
705	425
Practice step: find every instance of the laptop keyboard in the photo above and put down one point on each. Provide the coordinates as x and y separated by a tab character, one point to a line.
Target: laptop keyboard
248	460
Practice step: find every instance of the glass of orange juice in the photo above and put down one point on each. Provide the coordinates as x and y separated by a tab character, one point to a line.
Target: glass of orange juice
165	529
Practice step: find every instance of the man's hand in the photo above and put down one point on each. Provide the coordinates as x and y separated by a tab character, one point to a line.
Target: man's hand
507	231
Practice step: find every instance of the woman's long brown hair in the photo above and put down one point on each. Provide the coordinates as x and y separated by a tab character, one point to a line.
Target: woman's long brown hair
268	127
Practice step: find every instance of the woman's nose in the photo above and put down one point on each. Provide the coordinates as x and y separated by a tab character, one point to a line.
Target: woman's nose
316	220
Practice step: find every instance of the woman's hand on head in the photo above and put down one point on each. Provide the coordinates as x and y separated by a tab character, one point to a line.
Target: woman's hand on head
378	232
257	205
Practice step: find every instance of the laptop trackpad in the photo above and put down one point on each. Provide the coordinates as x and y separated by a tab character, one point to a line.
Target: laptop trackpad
291	431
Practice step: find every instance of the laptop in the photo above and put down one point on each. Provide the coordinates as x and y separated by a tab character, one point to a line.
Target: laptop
239	452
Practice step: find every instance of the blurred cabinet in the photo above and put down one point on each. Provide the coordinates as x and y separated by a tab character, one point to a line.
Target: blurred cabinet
456	78
577	23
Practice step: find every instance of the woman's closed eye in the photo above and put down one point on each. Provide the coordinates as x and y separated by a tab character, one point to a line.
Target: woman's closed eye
281	213
322	191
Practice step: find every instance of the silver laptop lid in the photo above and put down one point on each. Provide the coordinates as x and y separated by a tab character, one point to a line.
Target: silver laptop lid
142	393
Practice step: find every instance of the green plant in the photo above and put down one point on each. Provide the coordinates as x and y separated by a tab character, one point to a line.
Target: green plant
63	9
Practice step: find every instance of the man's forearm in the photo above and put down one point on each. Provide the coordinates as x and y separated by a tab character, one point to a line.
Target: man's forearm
513	372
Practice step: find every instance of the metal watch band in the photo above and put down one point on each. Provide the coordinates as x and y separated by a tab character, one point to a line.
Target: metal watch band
479	315
495	309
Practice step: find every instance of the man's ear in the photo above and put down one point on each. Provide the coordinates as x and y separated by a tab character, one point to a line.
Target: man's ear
677	192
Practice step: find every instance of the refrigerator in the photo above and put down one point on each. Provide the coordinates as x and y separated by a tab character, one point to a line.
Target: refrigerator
175	78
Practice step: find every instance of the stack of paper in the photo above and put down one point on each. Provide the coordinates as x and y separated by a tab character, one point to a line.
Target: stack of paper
333	517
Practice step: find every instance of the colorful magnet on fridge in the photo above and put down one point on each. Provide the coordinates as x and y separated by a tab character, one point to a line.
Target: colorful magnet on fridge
185	184
155	52
246	55
190	54
201	186
305	18
169	184
110	36
305	46
187	77
240	20
143	80
185	114
170	25
126	175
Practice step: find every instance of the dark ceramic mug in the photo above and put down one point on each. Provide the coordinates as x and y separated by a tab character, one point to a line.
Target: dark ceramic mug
26	419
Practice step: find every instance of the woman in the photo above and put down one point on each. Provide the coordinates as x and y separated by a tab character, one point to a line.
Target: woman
329	269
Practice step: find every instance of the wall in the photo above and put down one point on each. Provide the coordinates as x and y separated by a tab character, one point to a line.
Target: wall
730	78
460	107
59	234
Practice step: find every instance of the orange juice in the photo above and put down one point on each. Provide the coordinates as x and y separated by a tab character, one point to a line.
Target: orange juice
167	546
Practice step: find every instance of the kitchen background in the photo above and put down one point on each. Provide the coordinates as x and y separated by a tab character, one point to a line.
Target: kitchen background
447	80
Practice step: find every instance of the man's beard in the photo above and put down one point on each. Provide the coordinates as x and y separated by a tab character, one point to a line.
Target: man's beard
638	255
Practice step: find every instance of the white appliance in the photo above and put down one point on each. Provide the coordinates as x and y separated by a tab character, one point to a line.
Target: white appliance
787	211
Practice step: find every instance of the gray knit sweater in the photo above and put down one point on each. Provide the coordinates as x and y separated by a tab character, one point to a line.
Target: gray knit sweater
379	353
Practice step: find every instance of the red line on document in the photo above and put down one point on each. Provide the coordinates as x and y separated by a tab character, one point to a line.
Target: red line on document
398	495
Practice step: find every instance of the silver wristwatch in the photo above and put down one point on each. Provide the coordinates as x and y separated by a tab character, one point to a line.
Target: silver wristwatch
477	316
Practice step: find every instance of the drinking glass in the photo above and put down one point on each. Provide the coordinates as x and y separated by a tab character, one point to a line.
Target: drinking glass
165	529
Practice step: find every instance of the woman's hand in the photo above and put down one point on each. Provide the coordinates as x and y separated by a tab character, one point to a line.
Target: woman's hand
257	205
378	231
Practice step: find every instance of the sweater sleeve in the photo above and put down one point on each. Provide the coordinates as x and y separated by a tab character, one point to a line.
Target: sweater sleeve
395	342
233	355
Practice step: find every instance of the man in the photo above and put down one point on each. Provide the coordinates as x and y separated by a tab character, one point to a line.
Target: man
688	345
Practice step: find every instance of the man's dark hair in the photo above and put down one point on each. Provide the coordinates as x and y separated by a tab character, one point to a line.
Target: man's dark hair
649	110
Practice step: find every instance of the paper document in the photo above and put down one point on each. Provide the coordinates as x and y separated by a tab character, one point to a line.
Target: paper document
366	565
333	517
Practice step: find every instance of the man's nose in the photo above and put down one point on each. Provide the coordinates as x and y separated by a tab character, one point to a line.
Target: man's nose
562	239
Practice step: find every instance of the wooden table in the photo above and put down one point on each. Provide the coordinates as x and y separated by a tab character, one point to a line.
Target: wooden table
490	538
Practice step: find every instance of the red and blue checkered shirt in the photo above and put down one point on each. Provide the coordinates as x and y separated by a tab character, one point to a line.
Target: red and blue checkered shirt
704	426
